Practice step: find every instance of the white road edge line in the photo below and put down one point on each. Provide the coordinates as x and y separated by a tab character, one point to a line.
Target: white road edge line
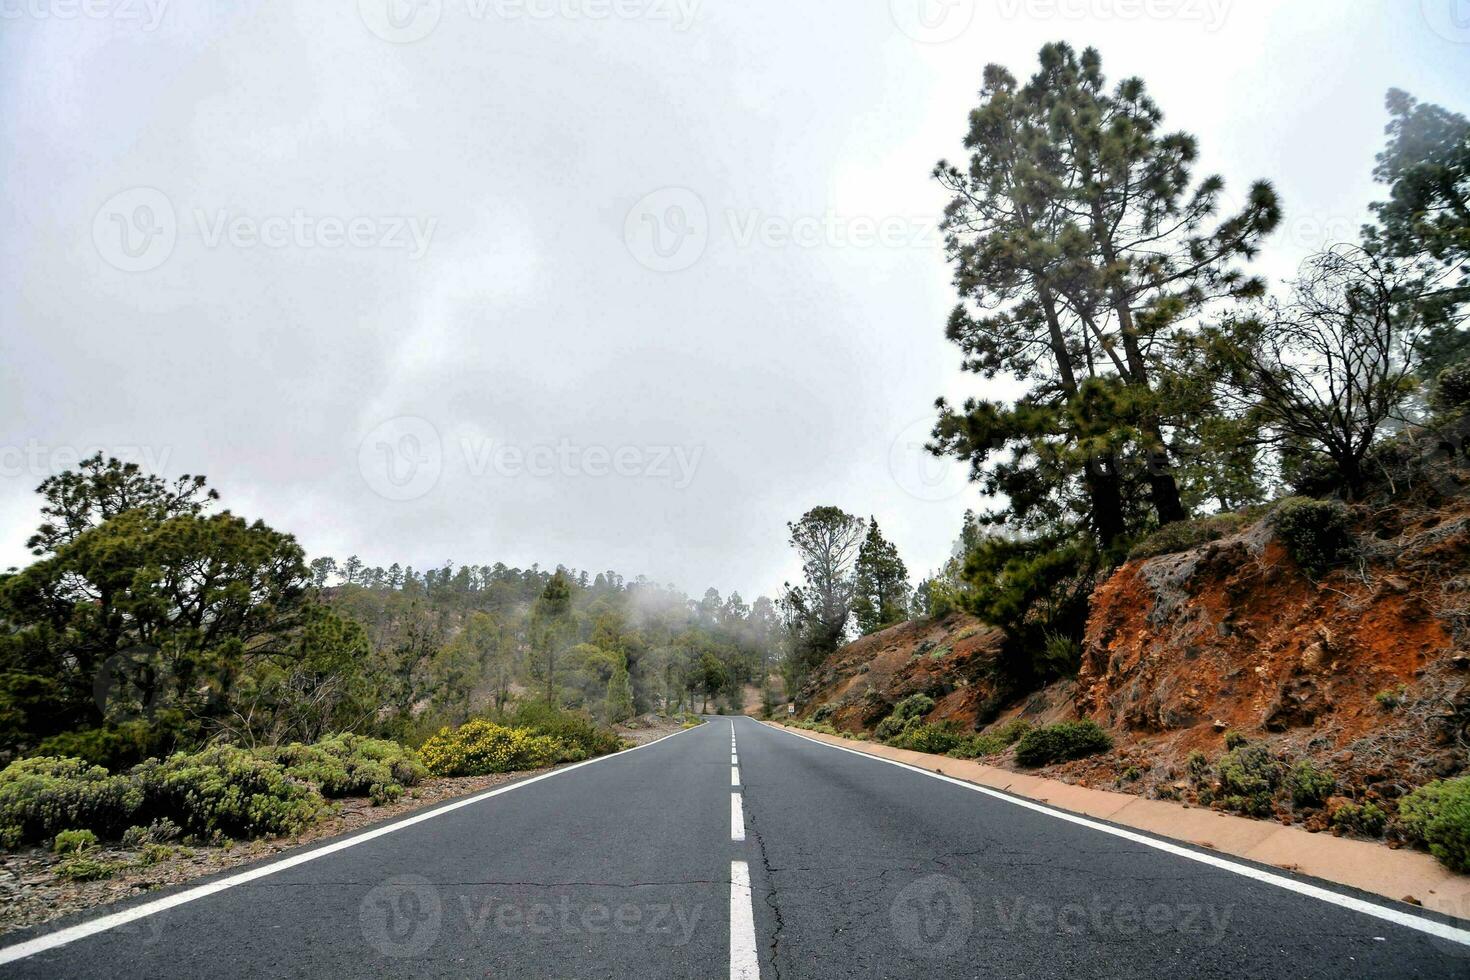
1438	929
734	775
744	962
82	930
737	819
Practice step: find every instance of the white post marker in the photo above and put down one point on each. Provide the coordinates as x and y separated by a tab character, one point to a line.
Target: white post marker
737	818
744	962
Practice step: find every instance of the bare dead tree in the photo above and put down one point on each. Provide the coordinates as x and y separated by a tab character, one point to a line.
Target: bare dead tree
1321	374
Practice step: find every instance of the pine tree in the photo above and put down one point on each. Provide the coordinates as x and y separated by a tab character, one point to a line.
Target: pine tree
882	586
1079	240
619	703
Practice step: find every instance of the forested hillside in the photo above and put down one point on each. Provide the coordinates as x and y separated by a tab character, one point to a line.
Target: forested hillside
153	619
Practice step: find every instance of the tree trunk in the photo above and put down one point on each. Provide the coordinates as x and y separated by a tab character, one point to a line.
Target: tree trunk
1101	479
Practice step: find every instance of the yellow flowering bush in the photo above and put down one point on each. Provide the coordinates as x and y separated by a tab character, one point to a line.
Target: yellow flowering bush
478	748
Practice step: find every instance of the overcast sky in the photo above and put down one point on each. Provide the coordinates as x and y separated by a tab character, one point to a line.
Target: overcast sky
620	284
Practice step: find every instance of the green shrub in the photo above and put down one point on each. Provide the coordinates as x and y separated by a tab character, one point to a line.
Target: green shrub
479	748
155	853
226	791
993	742
1198	766
938	739
893	726
583	737
1234	739
118	747
818	726
906	715
1011	732
914	706
1452	388
74	842
1367	819
1184	535
351	765
42	796
1249	776
1062	741
1438	816
1309	785
85	869
824	712
161	831
1393	697
1317	534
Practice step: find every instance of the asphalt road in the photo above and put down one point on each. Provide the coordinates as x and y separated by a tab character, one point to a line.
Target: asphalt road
790	859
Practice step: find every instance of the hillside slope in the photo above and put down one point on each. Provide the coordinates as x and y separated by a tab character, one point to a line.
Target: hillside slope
949	659
1364	672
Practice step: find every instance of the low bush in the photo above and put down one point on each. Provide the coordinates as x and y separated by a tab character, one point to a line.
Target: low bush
85	869
1198	767
161	831
151	854
1062	741
1309	785
1317	534
818	726
992	742
352	765
583	737
1184	535
74	842
919	737
479	748
42	796
1249	777
1234	739
1391	698
224	791
907	714
823	712
1438	816
1367	819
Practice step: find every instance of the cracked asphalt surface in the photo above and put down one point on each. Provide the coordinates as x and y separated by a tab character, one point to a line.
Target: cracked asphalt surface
622	868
